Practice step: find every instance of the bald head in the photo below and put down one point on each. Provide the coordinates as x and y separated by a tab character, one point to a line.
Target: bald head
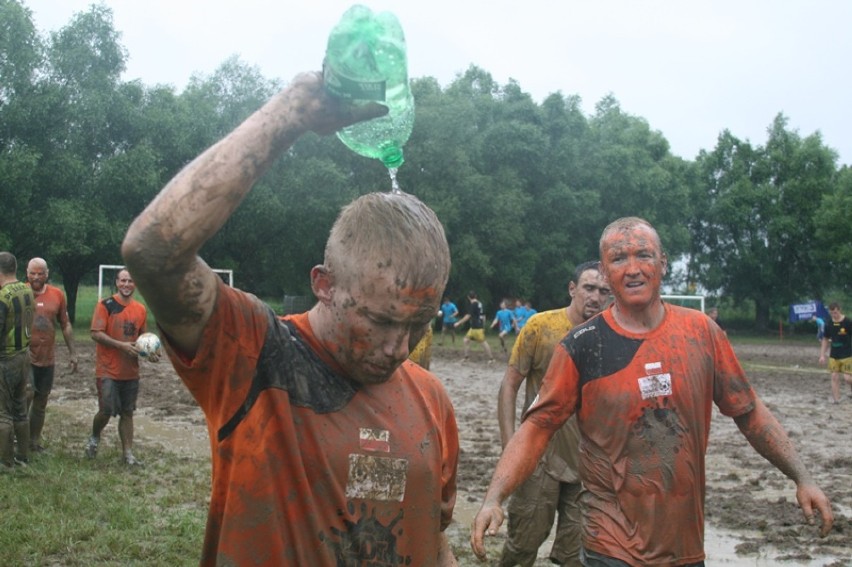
39	263
37	273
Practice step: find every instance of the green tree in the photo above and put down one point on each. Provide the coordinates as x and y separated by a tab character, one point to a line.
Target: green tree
755	217
833	246
80	120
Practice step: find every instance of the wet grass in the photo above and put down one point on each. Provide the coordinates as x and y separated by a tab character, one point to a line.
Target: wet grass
66	510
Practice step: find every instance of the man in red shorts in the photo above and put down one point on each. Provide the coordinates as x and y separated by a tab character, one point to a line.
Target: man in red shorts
329	446
51	310
642	378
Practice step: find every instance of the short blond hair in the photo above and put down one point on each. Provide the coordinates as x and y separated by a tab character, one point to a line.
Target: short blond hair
389	231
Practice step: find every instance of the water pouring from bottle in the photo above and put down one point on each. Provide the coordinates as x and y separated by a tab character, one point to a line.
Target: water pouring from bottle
394	183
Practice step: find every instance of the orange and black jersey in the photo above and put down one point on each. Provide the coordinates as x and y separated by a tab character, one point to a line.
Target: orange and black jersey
644	404
310	467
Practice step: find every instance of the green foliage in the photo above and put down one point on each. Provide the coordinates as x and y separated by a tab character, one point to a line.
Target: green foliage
833	246
756	217
523	189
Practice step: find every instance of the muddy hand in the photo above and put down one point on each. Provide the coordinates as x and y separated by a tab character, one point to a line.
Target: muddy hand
322	112
811	496
488	520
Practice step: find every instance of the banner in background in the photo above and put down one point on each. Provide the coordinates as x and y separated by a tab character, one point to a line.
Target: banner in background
806	311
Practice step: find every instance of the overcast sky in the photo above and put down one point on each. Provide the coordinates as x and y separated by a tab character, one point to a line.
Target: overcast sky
691	68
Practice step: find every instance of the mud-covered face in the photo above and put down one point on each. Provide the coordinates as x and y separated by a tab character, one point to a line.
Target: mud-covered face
37	276
378	321
589	295
634	265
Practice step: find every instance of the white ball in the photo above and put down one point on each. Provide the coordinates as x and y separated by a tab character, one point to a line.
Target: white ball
148	343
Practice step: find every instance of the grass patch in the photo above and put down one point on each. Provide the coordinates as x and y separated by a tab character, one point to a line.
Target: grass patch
67	510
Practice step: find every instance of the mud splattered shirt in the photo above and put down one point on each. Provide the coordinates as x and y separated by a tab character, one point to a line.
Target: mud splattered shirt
50	308
124	320
644	404
310	468
530	357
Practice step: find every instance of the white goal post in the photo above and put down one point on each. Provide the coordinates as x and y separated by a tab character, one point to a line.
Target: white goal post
229	274
686	300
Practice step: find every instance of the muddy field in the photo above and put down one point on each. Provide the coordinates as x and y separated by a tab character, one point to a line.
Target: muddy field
752	516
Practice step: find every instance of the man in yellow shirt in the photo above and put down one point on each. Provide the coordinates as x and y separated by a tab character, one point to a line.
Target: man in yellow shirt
554	488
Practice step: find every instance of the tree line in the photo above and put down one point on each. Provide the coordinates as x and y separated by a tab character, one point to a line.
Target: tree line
523	188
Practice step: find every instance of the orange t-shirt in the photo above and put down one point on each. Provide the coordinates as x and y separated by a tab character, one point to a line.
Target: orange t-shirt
51	308
123	322
309	467
644	404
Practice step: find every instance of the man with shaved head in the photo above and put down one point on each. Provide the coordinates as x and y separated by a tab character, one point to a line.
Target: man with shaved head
51	309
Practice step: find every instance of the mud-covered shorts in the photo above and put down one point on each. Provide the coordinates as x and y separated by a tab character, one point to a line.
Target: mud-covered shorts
116	397
534	506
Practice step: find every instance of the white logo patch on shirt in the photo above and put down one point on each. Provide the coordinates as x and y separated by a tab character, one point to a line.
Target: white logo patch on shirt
374	439
376	478
655	385
653	367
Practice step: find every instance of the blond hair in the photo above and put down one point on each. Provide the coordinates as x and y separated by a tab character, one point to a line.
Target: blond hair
389	231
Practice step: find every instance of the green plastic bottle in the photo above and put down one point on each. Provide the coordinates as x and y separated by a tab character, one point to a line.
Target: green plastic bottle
366	61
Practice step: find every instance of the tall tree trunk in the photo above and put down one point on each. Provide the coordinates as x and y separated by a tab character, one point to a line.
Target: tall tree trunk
761	316
72	284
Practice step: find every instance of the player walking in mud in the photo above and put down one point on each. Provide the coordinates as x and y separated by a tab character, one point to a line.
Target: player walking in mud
642	378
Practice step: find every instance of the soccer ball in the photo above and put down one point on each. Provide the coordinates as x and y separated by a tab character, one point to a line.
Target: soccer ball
148	344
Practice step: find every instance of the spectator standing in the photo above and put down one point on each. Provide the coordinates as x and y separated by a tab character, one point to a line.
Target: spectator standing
116	324
51	310
17	306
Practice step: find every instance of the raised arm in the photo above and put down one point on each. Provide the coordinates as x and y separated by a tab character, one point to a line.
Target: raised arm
766	435
161	247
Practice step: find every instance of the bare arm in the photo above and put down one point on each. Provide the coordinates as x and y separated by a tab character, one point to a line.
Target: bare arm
824	349
506	402
68	335
766	435
106	340
161	247
516	464
462	321
445	553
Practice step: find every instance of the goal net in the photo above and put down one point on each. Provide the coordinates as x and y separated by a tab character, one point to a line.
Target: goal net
691	301
111	269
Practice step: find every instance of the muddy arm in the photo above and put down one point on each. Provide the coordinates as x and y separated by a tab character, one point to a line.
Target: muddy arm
161	246
770	440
